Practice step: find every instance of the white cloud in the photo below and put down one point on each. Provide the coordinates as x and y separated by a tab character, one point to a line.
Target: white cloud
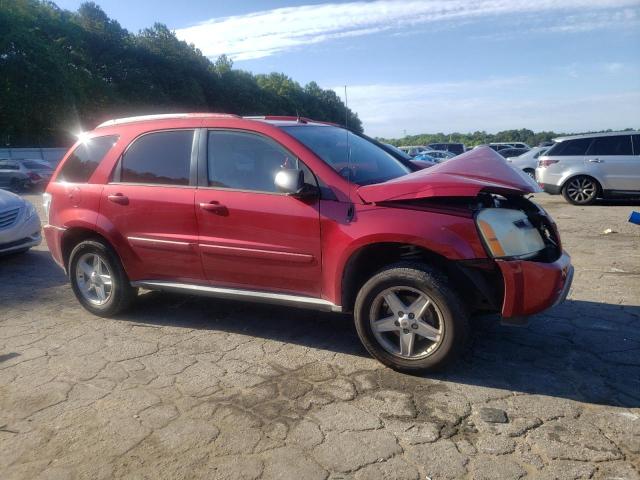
389	110
268	32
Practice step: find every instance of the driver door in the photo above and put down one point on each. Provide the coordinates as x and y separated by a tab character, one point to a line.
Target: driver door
251	236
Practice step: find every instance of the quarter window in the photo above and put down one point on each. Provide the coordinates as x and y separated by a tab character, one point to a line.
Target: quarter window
162	158
613	145
85	159
245	161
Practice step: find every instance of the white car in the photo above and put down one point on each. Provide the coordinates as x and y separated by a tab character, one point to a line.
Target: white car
528	161
19	224
584	168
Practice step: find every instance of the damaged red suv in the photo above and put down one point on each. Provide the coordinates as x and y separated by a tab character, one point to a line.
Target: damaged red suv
306	214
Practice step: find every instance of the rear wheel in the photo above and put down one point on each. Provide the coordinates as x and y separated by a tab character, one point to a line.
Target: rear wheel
531	172
98	279
581	190
408	317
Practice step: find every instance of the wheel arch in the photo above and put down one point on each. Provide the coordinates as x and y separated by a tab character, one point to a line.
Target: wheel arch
73	236
371	258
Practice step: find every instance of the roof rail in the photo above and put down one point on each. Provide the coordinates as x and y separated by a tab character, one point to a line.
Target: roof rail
288	118
163	116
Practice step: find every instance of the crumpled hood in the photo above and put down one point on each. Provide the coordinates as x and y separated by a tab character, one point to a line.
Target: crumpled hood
466	175
9	200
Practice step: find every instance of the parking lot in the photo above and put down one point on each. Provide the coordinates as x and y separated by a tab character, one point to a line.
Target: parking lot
186	387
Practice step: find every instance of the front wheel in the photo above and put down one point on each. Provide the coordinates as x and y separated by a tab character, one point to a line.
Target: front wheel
98	279
581	190
408	317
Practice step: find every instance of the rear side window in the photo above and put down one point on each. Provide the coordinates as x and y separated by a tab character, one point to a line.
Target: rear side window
613	145
570	147
85	159
159	158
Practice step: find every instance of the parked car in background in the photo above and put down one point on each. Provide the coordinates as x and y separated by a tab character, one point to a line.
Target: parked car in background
527	161
412	151
421	161
456	148
441	155
510	145
302	213
19	224
584	168
512	152
21	174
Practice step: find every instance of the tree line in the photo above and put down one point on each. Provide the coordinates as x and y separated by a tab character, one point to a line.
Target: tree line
481	138
63	71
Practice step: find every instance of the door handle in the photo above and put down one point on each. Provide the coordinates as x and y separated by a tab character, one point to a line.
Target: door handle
118	198
595	160
214	207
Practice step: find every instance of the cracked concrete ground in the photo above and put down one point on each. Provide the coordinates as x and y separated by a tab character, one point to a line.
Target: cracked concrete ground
186	387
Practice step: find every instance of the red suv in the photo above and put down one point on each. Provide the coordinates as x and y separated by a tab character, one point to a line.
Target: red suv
307	214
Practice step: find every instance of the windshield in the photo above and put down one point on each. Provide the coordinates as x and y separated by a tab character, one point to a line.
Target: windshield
367	162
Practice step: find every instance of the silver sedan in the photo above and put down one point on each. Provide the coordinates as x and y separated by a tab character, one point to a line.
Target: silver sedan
19	224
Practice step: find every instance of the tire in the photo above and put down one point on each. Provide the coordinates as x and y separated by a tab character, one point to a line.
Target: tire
117	296
581	190
531	172
445	313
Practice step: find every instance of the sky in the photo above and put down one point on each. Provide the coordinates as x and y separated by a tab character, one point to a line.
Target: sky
429	66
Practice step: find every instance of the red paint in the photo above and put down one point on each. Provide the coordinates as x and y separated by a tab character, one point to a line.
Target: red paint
279	243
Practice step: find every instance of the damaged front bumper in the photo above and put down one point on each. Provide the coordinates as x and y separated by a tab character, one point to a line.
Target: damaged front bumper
533	287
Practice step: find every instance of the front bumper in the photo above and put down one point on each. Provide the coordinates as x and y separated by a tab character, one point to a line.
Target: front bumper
23	234
532	287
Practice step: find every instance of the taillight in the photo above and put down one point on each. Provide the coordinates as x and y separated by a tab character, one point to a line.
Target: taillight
34	176
547	163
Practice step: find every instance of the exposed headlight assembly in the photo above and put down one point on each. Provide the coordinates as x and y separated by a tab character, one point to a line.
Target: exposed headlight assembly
508	233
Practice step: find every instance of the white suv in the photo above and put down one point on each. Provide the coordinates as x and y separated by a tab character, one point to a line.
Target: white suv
586	167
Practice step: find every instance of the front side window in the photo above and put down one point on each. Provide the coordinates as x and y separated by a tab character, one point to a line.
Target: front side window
352	156
85	159
159	158
611	145
570	147
246	161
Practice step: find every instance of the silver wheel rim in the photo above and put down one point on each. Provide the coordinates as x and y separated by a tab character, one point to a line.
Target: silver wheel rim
406	322
94	279
581	189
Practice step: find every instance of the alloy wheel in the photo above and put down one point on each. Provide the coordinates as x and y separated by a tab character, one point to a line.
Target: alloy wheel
406	322
581	189
94	279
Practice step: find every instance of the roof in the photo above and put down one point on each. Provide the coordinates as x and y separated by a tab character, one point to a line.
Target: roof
591	135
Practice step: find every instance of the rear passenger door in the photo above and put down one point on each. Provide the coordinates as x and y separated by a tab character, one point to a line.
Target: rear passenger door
615	161
251	236
149	203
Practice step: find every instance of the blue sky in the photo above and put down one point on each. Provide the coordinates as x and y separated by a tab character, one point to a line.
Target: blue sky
430	66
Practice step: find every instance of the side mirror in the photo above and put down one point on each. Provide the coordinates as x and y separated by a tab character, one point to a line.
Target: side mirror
289	180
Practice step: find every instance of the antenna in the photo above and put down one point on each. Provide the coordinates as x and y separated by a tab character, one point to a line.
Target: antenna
346	126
